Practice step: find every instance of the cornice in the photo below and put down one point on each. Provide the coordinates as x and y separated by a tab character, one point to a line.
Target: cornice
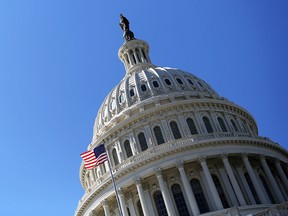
128	118
164	151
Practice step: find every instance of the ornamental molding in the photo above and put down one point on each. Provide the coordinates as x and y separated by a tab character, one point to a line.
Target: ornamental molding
123	125
129	166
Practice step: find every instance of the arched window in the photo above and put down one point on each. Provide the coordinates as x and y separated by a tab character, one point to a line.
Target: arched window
143	53
179	200
199	196
128	149
252	189
267	189
139	208
220	191
142	141
191	125
200	83
190	82
179	81
137	54
143	87
244	127
132	93
234	125
158	134
155	84
222	124
207	124
167	81
115	157
131	54
175	130
159	203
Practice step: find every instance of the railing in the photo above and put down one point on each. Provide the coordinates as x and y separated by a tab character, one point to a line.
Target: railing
278	210
167	147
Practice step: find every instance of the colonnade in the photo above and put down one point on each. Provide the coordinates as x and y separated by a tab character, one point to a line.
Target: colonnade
240	187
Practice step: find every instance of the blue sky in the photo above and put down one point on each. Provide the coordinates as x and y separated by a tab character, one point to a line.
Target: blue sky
58	61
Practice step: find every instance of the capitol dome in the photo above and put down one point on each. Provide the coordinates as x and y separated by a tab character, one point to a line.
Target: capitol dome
177	148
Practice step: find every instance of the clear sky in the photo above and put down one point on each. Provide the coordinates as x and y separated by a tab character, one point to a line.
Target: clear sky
58	61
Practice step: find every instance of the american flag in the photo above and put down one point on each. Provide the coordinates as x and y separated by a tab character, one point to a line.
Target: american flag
94	157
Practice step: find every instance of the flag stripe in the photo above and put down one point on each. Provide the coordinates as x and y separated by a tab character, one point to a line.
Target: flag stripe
94	157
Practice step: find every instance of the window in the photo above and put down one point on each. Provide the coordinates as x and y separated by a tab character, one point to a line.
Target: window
160	205
222	124
244	127
121	97
139	208
138	56
143	87
155	84
158	134
200	84
234	125
132	93
191	125
142	141
179	200
252	188
179	81
207	124
199	196
143	53
131	54
167	81
115	157
220	191
127	148
175	130
190	82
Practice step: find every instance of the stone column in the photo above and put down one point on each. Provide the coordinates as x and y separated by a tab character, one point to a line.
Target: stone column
276	190
211	184
233	180
133	144
281	173
183	125
131	207
119	151
149	136
188	189
166	131
261	194
106	207
246	186
141	196
165	193
122	202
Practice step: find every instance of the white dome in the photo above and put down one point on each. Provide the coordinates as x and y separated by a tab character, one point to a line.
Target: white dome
176	147
145	82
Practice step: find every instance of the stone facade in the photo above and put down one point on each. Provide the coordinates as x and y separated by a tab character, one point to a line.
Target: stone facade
178	148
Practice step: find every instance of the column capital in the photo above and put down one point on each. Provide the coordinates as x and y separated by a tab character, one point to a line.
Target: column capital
129	195
244	155
120	192
224	156
202	159
262	157
137	181
158	172
104	202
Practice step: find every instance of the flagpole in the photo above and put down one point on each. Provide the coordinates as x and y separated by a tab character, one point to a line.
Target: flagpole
114	185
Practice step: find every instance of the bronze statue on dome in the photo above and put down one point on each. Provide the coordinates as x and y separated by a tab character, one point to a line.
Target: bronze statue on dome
124	24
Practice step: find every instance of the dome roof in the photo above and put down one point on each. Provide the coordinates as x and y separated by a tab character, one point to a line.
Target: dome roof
150	83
